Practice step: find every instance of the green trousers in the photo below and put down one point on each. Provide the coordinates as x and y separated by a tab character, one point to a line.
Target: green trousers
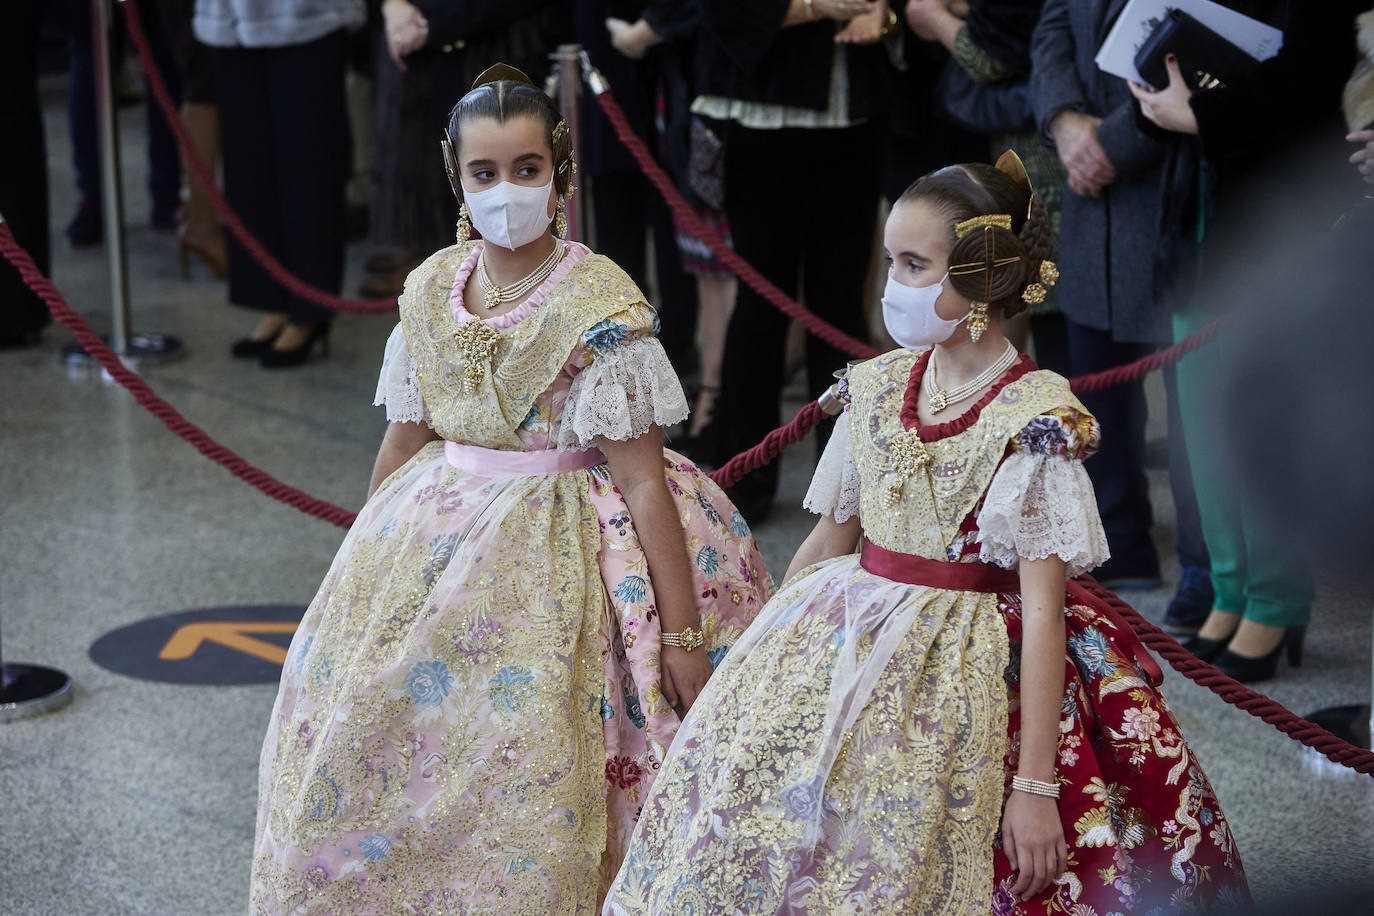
1255	570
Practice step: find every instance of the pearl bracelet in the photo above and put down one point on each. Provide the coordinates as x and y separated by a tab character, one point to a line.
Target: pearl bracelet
1035	787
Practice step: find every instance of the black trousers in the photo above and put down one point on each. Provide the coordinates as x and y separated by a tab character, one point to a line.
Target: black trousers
23	163
286	147
802	206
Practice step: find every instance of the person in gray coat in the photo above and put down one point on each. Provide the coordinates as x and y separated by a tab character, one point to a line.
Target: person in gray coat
1115	310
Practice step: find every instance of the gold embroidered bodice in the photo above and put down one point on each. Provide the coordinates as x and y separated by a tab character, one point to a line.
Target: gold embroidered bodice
479	383
934	499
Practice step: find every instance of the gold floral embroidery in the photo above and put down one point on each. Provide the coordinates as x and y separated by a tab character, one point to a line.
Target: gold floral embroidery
959	468
524	359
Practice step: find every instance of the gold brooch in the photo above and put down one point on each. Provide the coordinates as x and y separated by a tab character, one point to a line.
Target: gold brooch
476	343
909	456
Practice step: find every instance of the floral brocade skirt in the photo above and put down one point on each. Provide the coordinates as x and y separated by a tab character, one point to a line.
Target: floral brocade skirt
854	752
470	713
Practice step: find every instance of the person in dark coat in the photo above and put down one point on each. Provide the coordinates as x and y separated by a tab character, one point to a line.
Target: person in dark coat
1114	307
1246	195
23	162
803	105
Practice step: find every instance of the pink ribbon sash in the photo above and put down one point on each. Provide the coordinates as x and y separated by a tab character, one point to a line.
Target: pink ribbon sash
491	462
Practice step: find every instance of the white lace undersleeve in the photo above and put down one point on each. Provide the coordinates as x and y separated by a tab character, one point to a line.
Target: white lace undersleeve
834	487
398	386
1039	506
621	394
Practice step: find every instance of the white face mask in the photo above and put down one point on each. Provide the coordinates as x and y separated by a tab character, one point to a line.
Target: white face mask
910	316
510	215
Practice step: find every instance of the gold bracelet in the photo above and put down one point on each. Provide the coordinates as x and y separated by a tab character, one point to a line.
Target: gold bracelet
687	640
1035	787
891	24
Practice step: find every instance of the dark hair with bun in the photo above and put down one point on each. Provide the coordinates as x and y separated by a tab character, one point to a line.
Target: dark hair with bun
505	99
962	192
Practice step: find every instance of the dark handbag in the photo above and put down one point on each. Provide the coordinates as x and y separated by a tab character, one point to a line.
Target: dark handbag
1002	107
1204	57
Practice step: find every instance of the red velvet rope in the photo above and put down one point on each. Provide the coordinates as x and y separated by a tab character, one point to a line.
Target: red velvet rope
728	474
201	173
149	400
1256	704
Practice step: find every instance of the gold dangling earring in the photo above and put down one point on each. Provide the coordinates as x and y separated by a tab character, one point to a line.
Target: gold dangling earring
978	321
464	224
560	220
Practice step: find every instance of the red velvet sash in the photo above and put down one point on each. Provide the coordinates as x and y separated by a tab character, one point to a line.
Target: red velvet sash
984	577
959	577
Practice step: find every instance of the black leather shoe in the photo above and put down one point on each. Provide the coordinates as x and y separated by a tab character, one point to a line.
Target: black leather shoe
1192	603
88	226
272	358
1248	670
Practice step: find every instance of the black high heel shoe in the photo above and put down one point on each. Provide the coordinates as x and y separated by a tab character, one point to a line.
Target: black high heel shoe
273	358
1247	670
246	347
1207	650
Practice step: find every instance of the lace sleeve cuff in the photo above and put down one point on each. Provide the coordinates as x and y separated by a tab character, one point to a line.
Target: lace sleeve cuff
1039	506
834	488
625	390
398	386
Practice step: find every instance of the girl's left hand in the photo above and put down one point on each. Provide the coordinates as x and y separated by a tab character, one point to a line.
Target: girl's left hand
867	28
684	675
1033	839
1168	108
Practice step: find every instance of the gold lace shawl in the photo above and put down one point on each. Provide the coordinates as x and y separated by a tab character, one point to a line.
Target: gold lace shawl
478	383
935	502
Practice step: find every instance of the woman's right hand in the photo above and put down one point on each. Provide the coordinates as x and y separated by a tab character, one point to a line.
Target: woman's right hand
407	30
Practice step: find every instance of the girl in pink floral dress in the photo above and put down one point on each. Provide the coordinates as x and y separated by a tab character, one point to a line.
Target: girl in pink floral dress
488	679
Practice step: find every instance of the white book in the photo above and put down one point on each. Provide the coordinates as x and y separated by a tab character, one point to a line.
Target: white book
1138	20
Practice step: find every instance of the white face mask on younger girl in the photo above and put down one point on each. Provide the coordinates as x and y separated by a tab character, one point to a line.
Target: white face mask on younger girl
910	317
510	215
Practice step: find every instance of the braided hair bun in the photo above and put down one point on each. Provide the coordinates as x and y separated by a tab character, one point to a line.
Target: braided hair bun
996	259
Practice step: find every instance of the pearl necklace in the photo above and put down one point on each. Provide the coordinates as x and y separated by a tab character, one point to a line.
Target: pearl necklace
940	398
493	295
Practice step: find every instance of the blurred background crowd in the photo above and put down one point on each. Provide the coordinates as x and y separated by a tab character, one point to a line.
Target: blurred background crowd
789	125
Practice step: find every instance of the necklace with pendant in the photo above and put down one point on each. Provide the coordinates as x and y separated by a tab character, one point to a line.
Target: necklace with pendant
494	295
940	398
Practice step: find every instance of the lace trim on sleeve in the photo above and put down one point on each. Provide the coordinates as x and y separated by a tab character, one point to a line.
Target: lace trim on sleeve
1039	506
834	487
398	386
621	394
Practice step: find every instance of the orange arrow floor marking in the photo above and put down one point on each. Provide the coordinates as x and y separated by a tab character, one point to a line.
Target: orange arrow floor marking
231	634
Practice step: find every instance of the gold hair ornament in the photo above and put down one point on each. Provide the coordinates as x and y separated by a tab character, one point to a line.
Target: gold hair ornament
999	220
499	71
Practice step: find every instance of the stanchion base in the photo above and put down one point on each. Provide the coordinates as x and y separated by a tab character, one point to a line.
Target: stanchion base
31	690
1350	723
138	348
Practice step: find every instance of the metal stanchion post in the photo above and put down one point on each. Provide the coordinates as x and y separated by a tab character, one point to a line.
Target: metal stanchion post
568	62
31	690
130	346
